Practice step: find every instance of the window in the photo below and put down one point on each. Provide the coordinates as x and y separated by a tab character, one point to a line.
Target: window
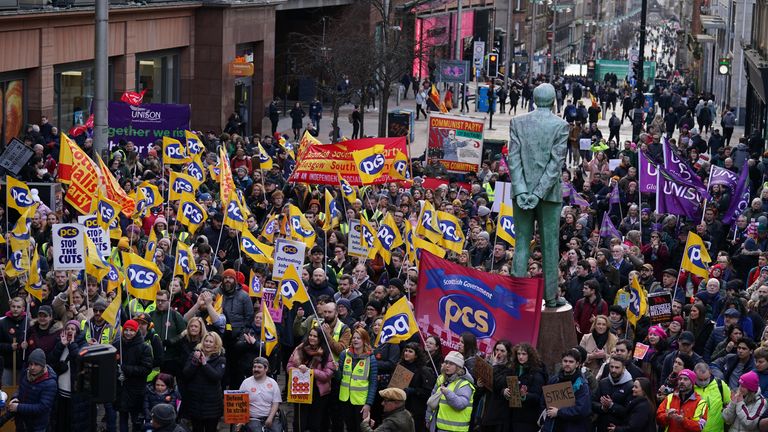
158	74
12	109
73	95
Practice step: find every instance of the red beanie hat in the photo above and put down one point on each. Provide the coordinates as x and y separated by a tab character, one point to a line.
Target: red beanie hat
131	324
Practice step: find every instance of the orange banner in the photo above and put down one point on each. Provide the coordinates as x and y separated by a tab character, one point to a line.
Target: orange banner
82	175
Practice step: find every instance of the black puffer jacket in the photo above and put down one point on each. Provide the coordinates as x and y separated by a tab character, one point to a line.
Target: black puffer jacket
202	389
136	364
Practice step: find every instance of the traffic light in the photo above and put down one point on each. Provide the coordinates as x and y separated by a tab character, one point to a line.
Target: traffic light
724	66
493	65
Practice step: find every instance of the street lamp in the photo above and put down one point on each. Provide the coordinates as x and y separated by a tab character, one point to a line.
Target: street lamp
555	10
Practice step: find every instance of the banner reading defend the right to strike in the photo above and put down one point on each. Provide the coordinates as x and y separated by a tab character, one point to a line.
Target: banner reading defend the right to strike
457	142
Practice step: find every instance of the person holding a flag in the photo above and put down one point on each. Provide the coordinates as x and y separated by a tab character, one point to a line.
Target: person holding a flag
313	353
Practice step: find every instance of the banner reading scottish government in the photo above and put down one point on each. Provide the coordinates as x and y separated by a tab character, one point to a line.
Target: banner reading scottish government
453	299
457	142
322	164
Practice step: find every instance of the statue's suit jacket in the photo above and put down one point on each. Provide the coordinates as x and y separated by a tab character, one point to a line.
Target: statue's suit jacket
538	143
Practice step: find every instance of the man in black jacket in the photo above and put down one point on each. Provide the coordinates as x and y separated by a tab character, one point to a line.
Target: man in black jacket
613	394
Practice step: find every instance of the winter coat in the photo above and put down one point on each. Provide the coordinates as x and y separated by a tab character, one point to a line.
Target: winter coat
44	339
202	388
399	420
571	419
11	328
744	416
136	364
152	398
588	343
725	369
534	380
620	392
36	400
418	390
495	408
238	308
323	372
638	417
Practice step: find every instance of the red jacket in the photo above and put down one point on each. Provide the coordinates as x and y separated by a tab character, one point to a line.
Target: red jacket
583	312
694	411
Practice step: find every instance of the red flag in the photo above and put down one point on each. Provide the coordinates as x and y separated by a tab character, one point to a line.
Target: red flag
77	130
133	98
89	122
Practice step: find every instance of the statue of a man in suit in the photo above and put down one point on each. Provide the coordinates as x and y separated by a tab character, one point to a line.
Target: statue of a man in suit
537	147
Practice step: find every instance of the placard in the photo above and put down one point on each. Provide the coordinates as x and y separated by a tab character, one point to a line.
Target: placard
515	400
401	377
236	406
354	248
585	143
288	252
268	295
660	307
613	164
300	386
98	235
483	372
68	247
559	395
502	191
15	156
641	350
456	142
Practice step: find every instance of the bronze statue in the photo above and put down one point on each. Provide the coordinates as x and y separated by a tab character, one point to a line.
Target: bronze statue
537	147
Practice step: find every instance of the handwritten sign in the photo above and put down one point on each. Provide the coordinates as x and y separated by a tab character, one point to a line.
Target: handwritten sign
641	350
559	395
515	400
401	378
236	405
484	373
585	143
300	386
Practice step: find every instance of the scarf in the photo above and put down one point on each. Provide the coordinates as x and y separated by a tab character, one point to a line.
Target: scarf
618	327
600	339
312	355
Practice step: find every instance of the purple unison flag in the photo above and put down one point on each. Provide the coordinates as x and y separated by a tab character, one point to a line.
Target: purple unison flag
608	229
566	187
578	199
614	197
739	199
676	165
648	173
677	196
724	177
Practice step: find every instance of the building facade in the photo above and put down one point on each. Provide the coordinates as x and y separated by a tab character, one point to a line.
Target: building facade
756	66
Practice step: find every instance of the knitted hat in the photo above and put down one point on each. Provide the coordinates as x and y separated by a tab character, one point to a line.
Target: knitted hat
678	319
162	220
164	414
75	323
229	273
346	303
397	283
37	357
691	375
750	381
658	331
131	324
456	358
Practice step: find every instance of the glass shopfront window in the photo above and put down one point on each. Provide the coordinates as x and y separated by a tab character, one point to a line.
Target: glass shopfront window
159	75
12	109
73	95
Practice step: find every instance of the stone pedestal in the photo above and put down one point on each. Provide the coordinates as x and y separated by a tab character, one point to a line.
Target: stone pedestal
556	334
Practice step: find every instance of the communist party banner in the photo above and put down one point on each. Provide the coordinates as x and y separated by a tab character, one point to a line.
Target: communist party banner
453	299
322	164
457	142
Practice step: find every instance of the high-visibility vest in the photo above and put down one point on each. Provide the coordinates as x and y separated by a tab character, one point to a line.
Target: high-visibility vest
701	409
449	418
155	371
135	307
489	192
107	333
337	329
354	380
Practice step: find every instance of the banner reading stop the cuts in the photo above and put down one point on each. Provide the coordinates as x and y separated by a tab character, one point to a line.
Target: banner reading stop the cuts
68	247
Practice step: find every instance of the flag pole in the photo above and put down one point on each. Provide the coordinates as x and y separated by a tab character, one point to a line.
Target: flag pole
704	207
495	237
216	252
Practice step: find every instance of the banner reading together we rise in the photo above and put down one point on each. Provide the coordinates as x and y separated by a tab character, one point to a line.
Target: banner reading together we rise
453	299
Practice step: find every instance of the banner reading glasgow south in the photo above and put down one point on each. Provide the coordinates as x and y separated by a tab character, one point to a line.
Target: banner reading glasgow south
454	299
146	123
322	164
457	142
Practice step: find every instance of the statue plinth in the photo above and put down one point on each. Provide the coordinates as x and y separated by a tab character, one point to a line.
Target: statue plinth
557	334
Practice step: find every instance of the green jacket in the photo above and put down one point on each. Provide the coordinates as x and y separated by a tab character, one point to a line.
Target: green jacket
398	420
715	403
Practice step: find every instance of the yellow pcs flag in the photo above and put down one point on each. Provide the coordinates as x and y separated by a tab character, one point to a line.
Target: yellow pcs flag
256	250
638	302
147	196
696	257
367	234
254	287
398	324
196	169
191	213
265	160
115	278
370	163
332	212
419	244
151	246
270	228
427	225
236	213
184	264
452	234
20	231
112	311
194	144
292	288
505	230
347	190
387	238
107	213
19	260
399	168
34	283
174	152
17	195
268	330
179	184
95	265
143	277
301	229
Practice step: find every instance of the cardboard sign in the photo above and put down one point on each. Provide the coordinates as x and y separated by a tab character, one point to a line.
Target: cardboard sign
401	378
288	252
15	156
236	404
641	350
559	395
300	386
585	143
484	372
515	400
98	235
660	308
613	164
68	247
354	248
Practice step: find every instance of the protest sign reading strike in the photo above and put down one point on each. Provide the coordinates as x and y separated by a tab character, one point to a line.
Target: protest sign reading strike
454	299
287	252
275	311
68	247
98	235
322	164
559	395
457	142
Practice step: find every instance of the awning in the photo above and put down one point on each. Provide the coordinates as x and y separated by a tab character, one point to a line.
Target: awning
712	22
705	38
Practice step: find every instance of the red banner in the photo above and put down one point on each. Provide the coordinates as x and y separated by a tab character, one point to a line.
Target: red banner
321	164
453	299
133	98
